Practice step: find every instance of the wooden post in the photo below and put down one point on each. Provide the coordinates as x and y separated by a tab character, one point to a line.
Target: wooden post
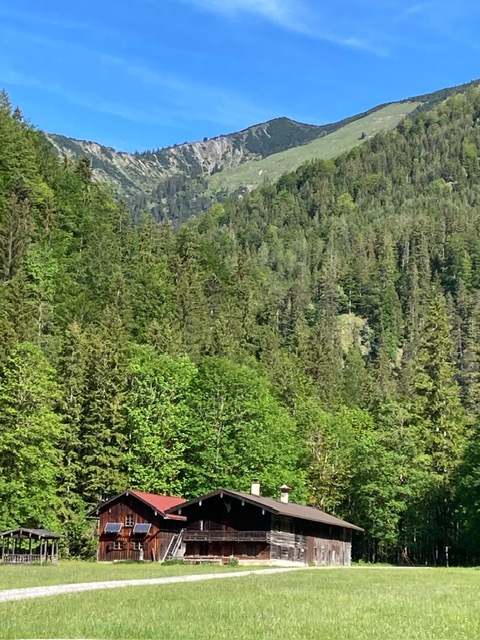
30	548
3	549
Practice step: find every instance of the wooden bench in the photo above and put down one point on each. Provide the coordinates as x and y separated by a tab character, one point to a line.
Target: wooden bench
206	560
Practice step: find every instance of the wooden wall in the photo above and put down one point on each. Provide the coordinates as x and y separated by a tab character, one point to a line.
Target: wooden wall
213	524
226	514
309	542
154	544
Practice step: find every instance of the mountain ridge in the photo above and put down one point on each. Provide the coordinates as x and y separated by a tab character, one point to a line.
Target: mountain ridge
185	179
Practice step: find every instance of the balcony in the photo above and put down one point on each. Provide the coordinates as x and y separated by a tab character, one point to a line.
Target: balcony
226	536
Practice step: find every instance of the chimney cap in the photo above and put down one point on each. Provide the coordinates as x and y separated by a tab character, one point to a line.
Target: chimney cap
255	487
285	490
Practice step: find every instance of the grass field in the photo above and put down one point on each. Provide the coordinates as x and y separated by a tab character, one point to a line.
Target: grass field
254	172
12	577
318	604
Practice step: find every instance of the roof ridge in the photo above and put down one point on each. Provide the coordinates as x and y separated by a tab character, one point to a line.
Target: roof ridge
293	509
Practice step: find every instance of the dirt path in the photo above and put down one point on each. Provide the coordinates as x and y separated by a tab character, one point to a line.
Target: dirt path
8	595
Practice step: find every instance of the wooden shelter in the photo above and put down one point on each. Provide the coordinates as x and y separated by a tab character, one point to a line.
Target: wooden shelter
135	526
225	524
28	546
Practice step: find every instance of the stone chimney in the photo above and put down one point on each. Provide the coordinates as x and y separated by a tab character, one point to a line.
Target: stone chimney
285	490
255	488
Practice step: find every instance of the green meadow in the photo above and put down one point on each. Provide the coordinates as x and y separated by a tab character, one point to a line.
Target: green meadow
68	572
255	172
327	604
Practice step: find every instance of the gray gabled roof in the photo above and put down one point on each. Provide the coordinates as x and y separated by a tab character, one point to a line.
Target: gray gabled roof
23	532
277	507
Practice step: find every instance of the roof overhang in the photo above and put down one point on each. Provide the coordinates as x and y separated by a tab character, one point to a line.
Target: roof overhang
94	513
36	534
275	507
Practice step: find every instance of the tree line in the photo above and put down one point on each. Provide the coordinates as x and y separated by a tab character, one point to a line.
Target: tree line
321	331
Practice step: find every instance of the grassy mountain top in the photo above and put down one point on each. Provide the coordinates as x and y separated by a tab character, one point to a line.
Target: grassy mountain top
180	181
254	172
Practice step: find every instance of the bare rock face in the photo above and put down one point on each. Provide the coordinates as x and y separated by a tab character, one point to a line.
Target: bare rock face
132	174
174	182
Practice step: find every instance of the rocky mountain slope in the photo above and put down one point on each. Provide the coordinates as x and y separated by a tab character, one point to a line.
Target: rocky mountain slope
135	173
183	180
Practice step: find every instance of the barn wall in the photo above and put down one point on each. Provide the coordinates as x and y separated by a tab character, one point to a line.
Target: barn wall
225	514
305	542
222	527
154	544
323	551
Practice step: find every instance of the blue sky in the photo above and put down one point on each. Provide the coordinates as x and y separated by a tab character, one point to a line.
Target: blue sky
138	74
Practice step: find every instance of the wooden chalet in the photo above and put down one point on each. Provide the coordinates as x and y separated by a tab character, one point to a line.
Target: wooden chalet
136	526
29	546
225	524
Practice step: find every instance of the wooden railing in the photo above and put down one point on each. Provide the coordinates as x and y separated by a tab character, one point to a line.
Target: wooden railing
27	558
226	536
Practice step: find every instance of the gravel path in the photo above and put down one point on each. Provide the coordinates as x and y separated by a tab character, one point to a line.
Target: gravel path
8	595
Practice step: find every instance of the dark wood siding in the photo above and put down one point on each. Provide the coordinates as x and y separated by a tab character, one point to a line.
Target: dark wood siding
130	509
309	542
223	527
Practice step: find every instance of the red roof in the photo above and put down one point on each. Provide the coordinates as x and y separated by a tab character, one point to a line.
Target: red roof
159	503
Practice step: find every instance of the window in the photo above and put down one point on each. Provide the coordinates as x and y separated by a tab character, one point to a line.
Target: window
117	545
137	546
129	521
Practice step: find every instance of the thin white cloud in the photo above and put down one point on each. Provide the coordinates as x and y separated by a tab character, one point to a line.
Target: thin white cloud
193	100
177	101
157	117
43	19
291	14
415	9
362	44
294	15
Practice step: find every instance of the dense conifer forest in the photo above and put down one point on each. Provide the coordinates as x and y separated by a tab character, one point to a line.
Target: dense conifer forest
322	331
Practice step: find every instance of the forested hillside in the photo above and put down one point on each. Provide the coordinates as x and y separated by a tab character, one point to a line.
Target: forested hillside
176	183
322	332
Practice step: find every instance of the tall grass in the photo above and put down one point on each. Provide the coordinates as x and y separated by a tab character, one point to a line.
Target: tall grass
337	604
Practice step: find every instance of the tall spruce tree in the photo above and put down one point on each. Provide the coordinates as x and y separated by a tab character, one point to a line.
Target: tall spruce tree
442	424
30	437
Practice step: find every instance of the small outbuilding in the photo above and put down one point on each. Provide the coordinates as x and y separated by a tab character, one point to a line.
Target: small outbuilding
135	525
226	524
28	546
